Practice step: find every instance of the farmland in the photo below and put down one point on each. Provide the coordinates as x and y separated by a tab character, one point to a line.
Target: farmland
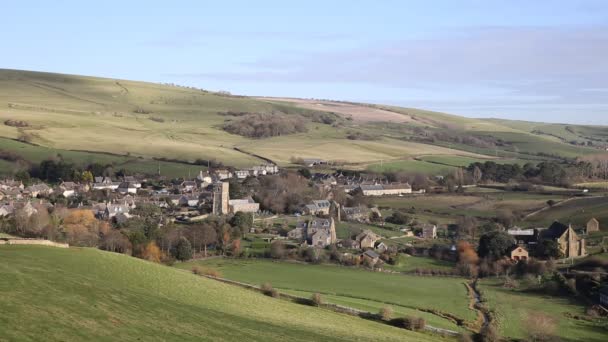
132	122
81	293
512	307
346	285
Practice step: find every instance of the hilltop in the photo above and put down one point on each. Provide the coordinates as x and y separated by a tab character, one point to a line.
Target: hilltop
82	293
133	125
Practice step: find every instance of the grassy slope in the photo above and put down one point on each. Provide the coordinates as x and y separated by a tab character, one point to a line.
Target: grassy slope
86	294
444	294
512	307
577	212
70	112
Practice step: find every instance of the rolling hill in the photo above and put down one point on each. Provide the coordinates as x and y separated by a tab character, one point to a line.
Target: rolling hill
133	124
80	293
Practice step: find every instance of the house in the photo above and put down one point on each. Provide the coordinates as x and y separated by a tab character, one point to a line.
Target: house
316	232
429	231
367	239
188	186
132	180
204	178
265	169
67	189
524	236
39	189
358	214
6	210
115	209
592	226
241	174
381	247
519	253
370	257
127	188
188	200
320	207
246	205
385	189
570	244
222	174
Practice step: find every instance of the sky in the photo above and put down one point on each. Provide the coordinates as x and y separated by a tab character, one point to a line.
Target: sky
526	60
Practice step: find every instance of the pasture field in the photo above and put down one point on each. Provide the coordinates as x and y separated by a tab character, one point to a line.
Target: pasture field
447	208
512	307
593	185
131	164
87	294
69	112
411	166
443	294
576	211
411	263
346	229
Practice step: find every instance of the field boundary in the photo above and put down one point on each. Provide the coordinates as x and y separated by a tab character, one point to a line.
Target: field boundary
20	241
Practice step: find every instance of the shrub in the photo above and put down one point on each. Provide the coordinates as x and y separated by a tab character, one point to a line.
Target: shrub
540	327
16	123
207	271
316	299
386	313
268	290
156	118
409	323
265	125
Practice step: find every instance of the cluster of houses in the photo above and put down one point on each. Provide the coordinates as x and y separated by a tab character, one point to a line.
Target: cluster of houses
367	186
569	240
207	194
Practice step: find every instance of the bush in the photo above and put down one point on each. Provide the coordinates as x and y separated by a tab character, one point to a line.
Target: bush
268	290
265	125
207	271
410	323
386	313
183	250
316	299
540	327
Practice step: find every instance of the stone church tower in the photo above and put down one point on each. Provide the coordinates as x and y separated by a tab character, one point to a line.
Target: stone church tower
220	198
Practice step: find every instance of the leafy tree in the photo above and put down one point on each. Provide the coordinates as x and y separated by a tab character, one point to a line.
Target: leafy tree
548	249
183	250
304	172
495	245
87	177
398	218
81	228
277	249
151	252
242	220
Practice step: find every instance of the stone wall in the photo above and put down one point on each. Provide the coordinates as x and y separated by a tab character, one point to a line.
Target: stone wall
17	241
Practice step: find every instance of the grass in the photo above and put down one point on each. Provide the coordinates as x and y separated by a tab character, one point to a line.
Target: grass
411	166
68	112
344	230
577	211
444	294
411	263
72	294
513	306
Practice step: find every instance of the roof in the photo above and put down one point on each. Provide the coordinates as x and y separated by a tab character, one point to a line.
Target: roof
371	254
322	203
554	231
371	187
127	185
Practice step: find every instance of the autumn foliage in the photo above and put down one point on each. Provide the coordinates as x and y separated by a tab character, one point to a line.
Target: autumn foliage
152	253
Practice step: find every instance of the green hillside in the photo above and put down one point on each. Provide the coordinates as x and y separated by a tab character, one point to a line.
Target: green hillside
128	123
85	294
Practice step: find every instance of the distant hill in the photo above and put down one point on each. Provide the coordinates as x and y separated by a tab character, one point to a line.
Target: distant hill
133	122
55	294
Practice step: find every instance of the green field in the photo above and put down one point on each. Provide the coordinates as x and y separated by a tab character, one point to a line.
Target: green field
67	113
447	208
411	263
577	212
347	284
55	294
513	306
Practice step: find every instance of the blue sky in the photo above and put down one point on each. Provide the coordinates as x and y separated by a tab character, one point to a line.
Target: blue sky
530	60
